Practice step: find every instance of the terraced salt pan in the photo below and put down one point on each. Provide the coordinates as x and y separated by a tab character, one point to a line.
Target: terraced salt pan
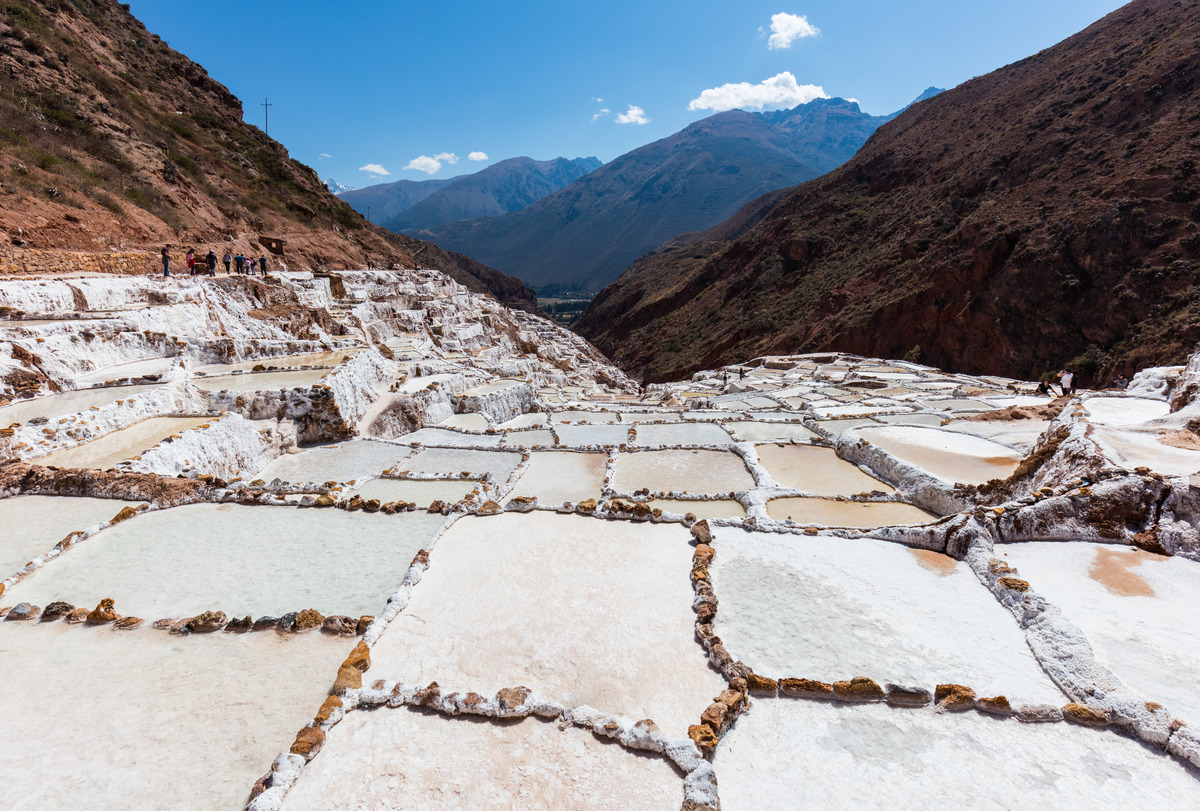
816	470
416	491
493	387
444	461
527	439
558	477
767	431
137	368
592	417
146	720
34	524
340	462
801	754
1020	435
682	471
635	418
717	508
580	435
952	457
836	427
1124	410
68	402
863	514
916	418
1133	448
682	433
797	606
586	612
261	381
440	436
524	421
237	559
309	359
1137	610
471	422
420	760
104	452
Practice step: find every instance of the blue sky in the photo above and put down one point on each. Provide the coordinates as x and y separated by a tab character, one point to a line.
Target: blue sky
384	84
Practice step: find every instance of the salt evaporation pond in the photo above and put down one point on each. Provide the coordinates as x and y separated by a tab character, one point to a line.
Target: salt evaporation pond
524	421
767	431
1021	435
682	433
237	559
816	470
106	451
416	491
55	406
146	720
787	754
808	607
469	422
454	439
419	760
34	524
527	439
836	427
569	618
952	457
283	361
593	417
831	513
581	435
493	387
341	462
555	477
445	461
261	381
1137	610
715	508
137	368
682	471
1125	410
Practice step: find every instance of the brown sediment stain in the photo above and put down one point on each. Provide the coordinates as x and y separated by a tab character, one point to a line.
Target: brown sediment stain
1181	439
936	562
1112	568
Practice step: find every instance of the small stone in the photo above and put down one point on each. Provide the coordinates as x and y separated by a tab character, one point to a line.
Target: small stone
371	505
308	742
307	620
954	697
705	613
265	623
900	695
703	555
23	611
1037	713
103	613
859	688
55	610
360	657
77	615
586	507
438	506
286	622
1085	716
490	507
127	623
340	625
716	716
425	697
805	688
124	515
207	622
348	678
240	626
1014	584
702	532
324	500
512	697
331	704
704	738
364	622
761	685
995	705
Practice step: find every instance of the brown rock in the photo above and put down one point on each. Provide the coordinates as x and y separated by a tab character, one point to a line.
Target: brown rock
22	611
307	620
325	500
489	507
240	626
348	678
954	697
364	622
1014	584
331	704
996	705
702	532
371	505
704	738
705	613
899	695
207	622
1085	716
761	685
805	688
438	506
124	515
512	697
716	716
360	657
1037	713
77	615
421	558
641	511
55	610
859	688
308	742
103	613
587	507
340	625
430	694
703	555
127	623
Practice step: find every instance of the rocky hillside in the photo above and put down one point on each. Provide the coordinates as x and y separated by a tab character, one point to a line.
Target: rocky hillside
1043	215
112	143
501	188
584	235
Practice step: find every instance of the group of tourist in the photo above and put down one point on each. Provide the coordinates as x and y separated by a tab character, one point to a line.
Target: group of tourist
1066	383
207	265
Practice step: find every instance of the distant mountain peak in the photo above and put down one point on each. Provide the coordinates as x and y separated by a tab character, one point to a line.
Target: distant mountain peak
337	188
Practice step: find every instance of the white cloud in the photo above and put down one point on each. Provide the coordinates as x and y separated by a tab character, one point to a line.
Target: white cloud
477	156
375	169
787	28
603	112
634	115
324	155
779	92
424	163
446	157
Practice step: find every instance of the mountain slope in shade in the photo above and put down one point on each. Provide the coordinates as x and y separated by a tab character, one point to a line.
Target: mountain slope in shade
386	200
506	186
1044	214
584	235
112	145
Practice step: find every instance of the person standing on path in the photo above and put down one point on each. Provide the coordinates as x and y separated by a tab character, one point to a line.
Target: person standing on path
1067	382
240	262
262	266
191	262
211	261
166	260
227	259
